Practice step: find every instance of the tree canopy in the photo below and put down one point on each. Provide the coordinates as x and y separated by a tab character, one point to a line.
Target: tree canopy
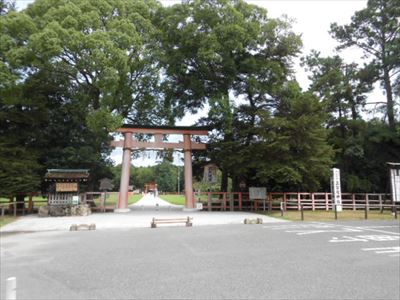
72	71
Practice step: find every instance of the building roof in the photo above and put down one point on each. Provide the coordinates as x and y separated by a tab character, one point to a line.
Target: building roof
72	174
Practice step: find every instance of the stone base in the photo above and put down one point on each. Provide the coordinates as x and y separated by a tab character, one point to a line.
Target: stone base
122	210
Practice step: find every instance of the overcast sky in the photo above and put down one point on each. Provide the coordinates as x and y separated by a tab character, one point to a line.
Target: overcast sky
312	20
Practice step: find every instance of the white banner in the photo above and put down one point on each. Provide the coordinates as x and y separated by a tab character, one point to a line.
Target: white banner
336	190
395	184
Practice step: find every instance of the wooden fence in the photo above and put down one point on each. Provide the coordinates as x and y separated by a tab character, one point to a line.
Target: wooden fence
290	201
235	201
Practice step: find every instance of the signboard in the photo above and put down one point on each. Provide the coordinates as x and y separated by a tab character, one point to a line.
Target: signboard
395	184
336	190
75	200
66	187
259	193
210	173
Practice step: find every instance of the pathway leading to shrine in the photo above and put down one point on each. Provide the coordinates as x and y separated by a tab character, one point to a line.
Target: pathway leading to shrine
150	201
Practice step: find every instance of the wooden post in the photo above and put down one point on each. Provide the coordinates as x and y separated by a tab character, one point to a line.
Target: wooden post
312	201
353	196
269	202
14	207
30	204
298	201
335	211
209	204
367	201
240	201
302	212
326	201
380	203
284	201
224	201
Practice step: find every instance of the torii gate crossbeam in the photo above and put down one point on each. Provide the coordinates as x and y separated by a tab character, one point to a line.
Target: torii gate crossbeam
130	143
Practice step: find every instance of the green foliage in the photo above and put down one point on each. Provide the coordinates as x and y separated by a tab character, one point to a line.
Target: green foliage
375	30
103	47
164	174
342	87
293	153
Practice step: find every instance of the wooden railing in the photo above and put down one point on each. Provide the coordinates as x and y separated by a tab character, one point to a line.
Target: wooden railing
232	201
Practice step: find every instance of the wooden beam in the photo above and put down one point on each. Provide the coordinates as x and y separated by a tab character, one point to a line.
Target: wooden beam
159	145
163	131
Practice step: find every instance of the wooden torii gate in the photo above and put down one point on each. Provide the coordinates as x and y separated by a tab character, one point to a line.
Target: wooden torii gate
130	143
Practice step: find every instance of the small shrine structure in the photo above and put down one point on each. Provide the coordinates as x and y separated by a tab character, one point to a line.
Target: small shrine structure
150	187
130	143
64	185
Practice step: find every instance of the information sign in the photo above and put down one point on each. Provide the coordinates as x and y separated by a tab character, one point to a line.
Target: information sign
336	190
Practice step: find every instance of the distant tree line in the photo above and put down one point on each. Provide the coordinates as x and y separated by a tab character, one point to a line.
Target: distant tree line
73	71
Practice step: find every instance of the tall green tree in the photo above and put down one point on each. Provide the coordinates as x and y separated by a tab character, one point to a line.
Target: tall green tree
290	150
375	30
104	47
219	49
342	87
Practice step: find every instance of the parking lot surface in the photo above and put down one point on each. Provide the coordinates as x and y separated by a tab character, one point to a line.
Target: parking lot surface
293	260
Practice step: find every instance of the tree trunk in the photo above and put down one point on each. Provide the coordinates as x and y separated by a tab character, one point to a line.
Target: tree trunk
224	181
389	97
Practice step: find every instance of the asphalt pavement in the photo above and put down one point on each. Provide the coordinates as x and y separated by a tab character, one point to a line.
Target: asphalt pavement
293	260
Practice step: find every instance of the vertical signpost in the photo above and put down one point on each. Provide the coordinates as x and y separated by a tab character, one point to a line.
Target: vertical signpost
336	190
394	169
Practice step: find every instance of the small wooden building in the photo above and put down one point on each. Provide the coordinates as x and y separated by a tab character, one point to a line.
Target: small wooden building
64	185
150	187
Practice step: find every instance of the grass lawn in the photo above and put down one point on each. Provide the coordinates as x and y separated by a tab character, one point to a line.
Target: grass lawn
174	199
6	219
321	215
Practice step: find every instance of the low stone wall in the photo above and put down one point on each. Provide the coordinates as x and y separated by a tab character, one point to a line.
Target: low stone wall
64	210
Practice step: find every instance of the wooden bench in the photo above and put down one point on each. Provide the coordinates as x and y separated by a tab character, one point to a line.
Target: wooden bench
187	221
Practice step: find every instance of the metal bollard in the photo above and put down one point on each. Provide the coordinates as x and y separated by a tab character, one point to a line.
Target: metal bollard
11	288
366	212
281	209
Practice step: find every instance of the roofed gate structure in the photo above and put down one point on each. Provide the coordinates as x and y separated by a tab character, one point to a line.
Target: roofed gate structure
131	143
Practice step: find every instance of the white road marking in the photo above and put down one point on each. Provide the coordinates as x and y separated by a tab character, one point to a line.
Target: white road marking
304	232
365	238
383	250
380	231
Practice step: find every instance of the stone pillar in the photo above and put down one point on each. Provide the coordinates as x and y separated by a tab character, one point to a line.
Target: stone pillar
189	204
125	173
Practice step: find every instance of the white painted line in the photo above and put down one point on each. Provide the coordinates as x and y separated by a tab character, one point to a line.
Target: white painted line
304	232
387	251
376	230
382	226
11	288
383	249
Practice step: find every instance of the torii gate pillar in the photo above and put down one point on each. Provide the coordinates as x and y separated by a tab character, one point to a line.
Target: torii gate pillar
130	143
125	174
188	171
